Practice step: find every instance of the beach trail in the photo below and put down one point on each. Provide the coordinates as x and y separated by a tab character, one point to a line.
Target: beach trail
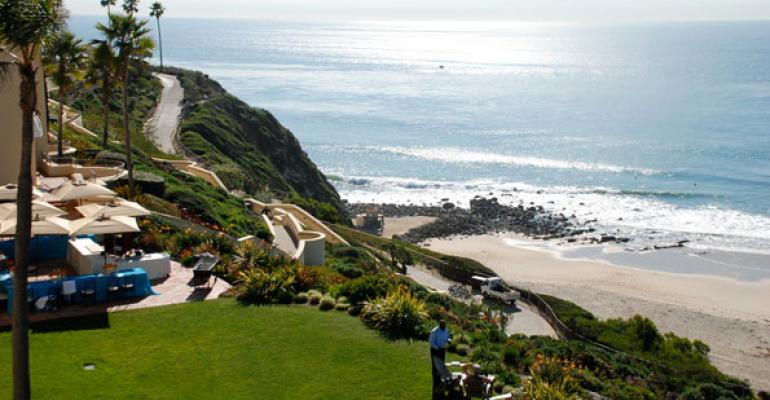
162	126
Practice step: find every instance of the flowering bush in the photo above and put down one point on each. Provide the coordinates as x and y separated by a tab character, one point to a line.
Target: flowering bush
553	379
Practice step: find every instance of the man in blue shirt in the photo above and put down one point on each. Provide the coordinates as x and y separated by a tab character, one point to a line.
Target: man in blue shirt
439	337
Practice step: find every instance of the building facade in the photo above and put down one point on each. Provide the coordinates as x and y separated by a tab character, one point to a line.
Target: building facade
10	121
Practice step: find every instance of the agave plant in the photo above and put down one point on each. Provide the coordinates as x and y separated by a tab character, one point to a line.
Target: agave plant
262	287
399	314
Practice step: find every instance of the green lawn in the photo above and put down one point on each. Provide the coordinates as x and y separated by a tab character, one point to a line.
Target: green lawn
223	350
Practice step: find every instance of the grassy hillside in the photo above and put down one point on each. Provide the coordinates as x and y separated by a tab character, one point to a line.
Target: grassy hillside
220	350
143	94
249	149
182	193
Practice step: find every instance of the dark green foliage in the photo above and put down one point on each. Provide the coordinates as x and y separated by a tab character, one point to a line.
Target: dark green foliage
210	205
146	182
576	318
143	93
365	288
251	149
400	314
351	262
322	210
458	269
111	156
198	86
327	303
188	261
667	363
257	286
707	391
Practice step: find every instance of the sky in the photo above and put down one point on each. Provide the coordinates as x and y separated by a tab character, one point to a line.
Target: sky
520	10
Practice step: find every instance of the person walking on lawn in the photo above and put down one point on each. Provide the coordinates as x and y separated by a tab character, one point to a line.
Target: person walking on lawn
439	337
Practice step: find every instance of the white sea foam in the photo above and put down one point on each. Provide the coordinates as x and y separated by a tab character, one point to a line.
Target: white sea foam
460	156
642	217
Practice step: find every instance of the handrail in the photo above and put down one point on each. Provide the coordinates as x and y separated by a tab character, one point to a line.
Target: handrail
66	160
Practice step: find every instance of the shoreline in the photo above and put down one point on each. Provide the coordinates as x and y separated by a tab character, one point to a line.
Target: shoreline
732	316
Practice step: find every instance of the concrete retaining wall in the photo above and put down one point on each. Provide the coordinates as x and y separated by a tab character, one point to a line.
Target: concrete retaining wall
303	216
193	169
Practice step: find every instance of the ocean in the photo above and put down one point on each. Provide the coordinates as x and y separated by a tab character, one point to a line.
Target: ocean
659	132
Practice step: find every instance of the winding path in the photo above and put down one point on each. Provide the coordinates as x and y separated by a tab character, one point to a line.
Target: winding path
524	319
162	127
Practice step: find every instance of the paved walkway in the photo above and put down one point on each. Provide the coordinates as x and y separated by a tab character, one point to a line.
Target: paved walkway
162	126
283	241
524	319
176	289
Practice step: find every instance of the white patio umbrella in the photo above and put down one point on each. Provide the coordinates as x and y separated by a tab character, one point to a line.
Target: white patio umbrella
40	226
104	226
81	190
8	192
39	208
118	208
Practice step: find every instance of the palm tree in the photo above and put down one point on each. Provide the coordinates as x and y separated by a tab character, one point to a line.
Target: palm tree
101	72
65	56
131	6
128	36
108	4
157	10
24	26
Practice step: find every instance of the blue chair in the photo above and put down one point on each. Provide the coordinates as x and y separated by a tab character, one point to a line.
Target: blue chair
113	288
88	289
53	297
127	284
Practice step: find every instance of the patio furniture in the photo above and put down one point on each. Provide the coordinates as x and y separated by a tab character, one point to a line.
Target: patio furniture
113	287
204	269
474	384
127	286
69	288
88	290
41	303
53	297
156	265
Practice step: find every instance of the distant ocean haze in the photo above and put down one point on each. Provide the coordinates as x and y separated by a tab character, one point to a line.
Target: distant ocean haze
660	132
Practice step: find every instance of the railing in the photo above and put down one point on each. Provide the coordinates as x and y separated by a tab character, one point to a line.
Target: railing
65	160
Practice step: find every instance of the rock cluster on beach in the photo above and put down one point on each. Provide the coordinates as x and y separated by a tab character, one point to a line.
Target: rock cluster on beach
487	216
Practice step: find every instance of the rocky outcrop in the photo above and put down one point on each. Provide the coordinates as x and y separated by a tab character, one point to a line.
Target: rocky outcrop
484	216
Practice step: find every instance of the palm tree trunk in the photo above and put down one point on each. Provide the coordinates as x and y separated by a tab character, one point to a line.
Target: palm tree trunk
127	136
20	332
60	132
106	103
160	44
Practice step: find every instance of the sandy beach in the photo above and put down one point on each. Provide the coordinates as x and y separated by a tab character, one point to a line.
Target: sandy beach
401	225
732	316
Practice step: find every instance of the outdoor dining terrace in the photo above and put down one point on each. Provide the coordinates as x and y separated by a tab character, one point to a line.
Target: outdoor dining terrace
83	251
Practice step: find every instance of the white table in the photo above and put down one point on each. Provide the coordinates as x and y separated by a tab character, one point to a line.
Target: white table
157	265
85	256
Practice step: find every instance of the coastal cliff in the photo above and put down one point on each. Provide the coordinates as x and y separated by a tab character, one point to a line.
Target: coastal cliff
249	148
